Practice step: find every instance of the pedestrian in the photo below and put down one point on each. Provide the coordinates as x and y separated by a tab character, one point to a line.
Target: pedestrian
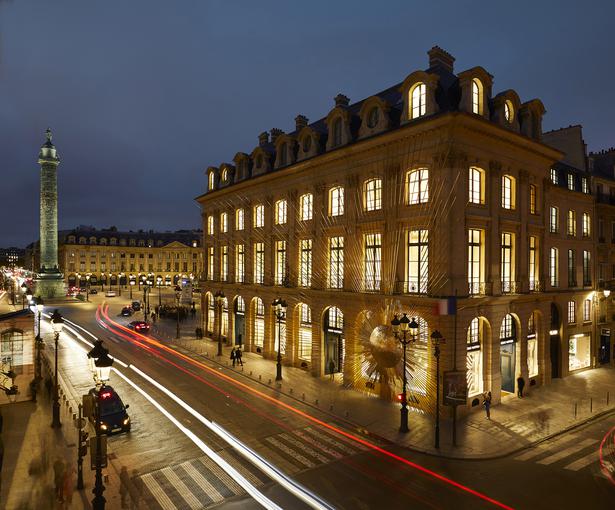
238	356
68	487
487	404
233	355
48	385
520	386
58	478
331	370
153	317
125	487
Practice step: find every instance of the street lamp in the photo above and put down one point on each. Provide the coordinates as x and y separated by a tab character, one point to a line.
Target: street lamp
219	297
159	281
57	323
119	286
102	281
132	284
24	289
178	293
279	308
87	286
78	276
401	328
103	369
437	340
38	306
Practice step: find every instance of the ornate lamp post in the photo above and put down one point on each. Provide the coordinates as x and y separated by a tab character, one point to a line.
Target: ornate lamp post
87	286
219	297
24	289
102	281
401	328
57	323
131	284
38	306
178	294
437	340
159	282
279	308
103	369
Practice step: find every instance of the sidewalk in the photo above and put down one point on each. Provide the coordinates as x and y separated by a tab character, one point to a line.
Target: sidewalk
515	423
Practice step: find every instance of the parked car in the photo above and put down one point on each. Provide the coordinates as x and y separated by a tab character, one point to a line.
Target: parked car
126	311
139	326
93	291
113	415
110	293
82	290
136	306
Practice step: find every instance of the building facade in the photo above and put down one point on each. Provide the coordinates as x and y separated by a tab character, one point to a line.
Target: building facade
432	189
12	257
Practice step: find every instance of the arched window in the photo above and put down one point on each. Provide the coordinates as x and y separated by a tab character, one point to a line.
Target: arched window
211	312
532	346
211	180
508	328
259	216
281	207
337	132
103	241
306	204
418	101
224	325
508	192
476	185
224	175
372	194
239	219
417	185
474	357
307	143
336	201
334	343
305	332
82	240
259	323
509	111
477	96
92	240
373	117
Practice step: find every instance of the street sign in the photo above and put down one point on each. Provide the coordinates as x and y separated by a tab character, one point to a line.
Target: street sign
88	405
455	388
94	452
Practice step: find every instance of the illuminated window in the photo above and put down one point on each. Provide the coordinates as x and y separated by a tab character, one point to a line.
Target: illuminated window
553	220
554	267
240	263
372	194
224	323
474	359
572	312
532	346
305	332
586	225
477	185
584	185
508	330
572	223
259	216
418	106
280	263
476	270
306	203
587	277
533	263
509	111
372	261
259	323
507	262
305	263
587	310
417	261
224	175
532	199
572	268
210	263
554	176
571	182
508	192
210	225
336	262
336	201
417	184
239	219
211	180
280	212
477	100
224	264
224	222
259	262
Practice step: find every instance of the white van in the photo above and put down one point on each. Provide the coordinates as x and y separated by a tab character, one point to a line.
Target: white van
110	293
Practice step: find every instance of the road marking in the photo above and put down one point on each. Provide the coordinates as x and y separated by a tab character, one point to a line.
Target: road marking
566	452
306	449
184	492
289	451
161	497
207	487
533	452
338	442
590	458
222	475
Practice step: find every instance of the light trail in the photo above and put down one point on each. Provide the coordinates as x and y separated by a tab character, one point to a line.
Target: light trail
608	465
309	417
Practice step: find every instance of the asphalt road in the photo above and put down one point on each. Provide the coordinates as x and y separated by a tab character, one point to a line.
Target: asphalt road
171	471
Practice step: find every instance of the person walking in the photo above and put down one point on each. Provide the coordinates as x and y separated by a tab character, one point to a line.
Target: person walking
487	404
238	355
520	386
233	355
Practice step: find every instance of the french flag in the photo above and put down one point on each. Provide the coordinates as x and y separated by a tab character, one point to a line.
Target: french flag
446	306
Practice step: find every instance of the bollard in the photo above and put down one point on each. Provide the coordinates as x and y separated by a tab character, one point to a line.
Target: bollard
331	407
250	372
316	402
260	377
291	391
575	410
591	405
303	396
269	381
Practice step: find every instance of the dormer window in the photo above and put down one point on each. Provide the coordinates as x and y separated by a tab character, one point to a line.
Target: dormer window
113	241
307	144
554	178
71	239
141	242
509	111
103	240
337	132
373	117
477	97
259	161
132	242
283	154
224	175
571	182
211	181
82	240
418	106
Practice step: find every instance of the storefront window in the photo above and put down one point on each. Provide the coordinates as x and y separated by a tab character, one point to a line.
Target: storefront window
579	352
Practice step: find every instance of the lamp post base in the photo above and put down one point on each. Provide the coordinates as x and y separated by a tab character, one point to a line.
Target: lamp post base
278	372
55	422
219	347
403	426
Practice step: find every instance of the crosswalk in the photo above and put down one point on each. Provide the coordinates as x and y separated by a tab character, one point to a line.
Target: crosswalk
201	483
572	453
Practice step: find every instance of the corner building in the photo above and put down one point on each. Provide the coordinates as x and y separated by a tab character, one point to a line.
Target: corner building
430	189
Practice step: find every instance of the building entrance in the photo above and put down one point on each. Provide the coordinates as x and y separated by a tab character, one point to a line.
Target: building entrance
604	354
507	366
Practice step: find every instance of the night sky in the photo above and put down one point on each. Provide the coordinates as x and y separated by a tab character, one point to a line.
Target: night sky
143	95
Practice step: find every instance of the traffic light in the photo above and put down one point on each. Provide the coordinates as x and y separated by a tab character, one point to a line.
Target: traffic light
401	398
83	443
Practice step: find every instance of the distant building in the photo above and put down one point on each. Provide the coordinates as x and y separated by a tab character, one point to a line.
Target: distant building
107	255
12	257
16	354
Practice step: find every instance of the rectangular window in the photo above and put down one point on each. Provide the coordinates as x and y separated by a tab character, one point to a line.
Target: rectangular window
305	263
306	204
476	270
210	225
417	261
572	223
305	332
572	269
584	185
281	207
532	199
572	312
587	310
372	261
476	186
240	263
259	216
372	195
239	219
280	263
554	176
336	262
508	192
223	263
533	263
553	220
554	267
571	182
336	201
507	262
210	260
586	225
224	222
259	262
587	277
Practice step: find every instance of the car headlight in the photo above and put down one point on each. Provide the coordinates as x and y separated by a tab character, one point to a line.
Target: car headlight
126	421
103	426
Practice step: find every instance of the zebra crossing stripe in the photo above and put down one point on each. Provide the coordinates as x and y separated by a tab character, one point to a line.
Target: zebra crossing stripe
334	442
184	491
290	452
221	475
531	453
306	449
583	462
566	452
306	437
161	497
203	483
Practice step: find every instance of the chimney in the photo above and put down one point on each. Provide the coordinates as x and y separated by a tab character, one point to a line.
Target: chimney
341	100
440	59
300	122
263	138
275	132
